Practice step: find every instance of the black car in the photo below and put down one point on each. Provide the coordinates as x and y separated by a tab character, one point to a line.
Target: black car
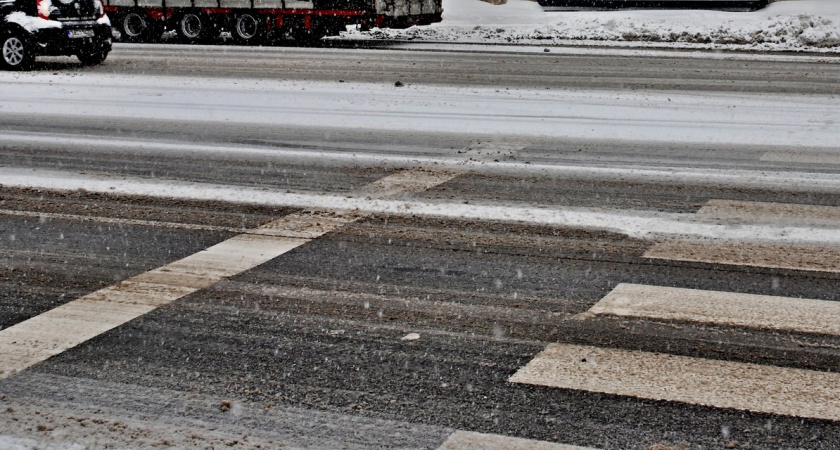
29	28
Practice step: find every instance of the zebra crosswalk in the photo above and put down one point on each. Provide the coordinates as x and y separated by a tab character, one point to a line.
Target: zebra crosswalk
636	370
714	383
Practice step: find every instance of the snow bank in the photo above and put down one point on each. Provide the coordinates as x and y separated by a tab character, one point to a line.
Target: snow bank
807	25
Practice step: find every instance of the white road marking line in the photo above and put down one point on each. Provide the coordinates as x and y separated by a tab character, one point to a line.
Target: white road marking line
468	440
645	225
803	157
48	334
789	213
719	384
724	308
812	258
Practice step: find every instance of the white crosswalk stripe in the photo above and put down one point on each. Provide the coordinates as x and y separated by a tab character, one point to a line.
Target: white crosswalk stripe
721	384
722	308
466	440
775	256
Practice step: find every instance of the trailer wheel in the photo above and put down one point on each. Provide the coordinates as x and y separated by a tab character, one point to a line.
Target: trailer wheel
247	29
194	28
136	26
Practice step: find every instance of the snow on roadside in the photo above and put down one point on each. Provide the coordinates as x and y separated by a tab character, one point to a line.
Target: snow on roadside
804	25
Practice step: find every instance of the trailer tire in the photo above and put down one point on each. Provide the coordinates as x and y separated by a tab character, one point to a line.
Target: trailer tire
247	29
194	28
136	26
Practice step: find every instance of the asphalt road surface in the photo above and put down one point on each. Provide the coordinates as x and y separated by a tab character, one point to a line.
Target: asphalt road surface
210	283
554	69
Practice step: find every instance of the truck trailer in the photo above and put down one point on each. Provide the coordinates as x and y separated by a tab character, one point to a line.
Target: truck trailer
253	21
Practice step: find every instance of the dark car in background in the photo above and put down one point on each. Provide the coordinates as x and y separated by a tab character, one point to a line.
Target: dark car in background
31	28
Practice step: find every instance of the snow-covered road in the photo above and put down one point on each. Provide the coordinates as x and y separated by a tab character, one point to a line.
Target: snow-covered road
718	118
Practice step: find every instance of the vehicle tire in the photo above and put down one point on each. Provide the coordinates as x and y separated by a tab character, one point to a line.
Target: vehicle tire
15	52
136	26
247	29
194	28
92	57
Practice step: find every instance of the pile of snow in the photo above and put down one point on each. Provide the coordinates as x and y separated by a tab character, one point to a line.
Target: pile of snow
32	23
807	25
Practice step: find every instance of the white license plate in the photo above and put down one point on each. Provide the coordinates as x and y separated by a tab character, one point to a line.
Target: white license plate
79	33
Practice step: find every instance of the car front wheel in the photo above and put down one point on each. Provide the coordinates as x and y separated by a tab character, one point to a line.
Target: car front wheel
15	52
